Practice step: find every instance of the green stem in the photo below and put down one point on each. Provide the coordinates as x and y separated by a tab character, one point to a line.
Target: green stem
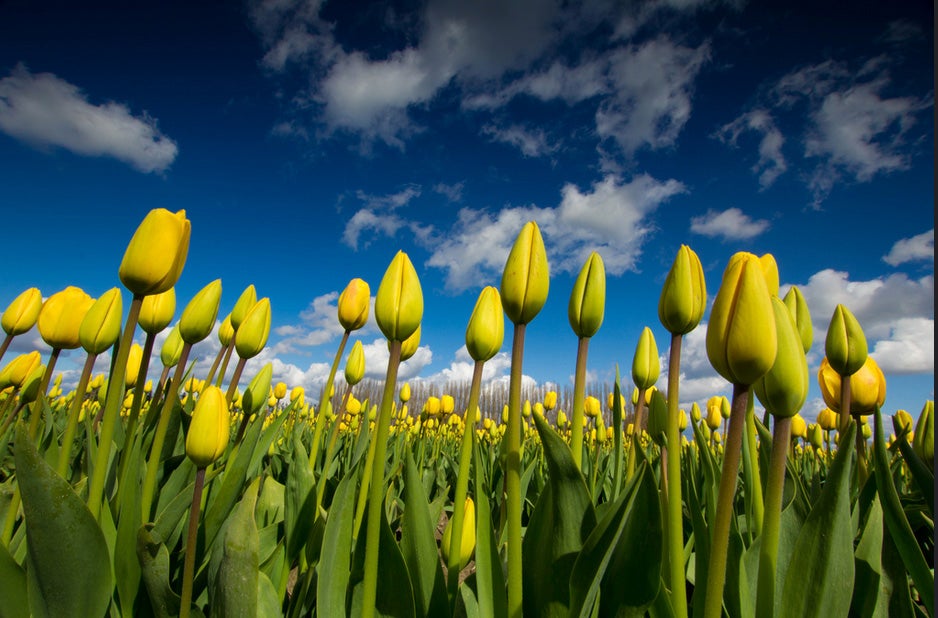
224	364
330	451
636	434
235	378
36	409
326	390
185	602
211	372
513	473
757	506
775	485
716	571
863	467
112	406
844	416
140	385
579	397
72	423
376	493
675	506
5	344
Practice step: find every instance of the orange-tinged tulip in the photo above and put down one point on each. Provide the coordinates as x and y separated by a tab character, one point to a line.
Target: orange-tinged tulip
209	430
101	325
251	336
684	295
486	330
157	311
526	278
867	387
61	316
21	314
157	253
353	304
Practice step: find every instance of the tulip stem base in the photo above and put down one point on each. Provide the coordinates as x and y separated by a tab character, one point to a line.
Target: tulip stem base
185	602
675	506
775	485
513	475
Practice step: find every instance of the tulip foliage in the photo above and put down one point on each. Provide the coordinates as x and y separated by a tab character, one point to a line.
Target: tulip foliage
205	494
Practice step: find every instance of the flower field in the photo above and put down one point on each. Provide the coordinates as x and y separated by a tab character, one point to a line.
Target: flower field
229	495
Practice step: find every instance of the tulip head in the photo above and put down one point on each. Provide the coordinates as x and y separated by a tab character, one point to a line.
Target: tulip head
134	360
684	295
226	331
526	278
468	541
353	304
867	387
405	392
171	351
255	396
658	417
784	388
399	301
447	404
61	317
588	298
209	430
798	307
30	388
355	365
646	366
243	306
280	390
845	345
923	442
799	427
741	338
410	345
101	326
486	330
827	419
157	253
550	400
157	311
695	414
251	336
770	271
198	318
714	414
815	437
21	314
902	421
19	369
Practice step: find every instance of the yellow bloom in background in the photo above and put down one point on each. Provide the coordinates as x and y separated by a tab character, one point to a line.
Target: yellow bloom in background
21	314
405	392
867	386
226	331
468	541
714	415
209	430
157	253
827	419
353	304
588	299
550	400
903	421
799	427
157	311
684	295
251	336
280	390
399	301
695	413
101	326
592	407
526	278
61	316
432	405
447	404
297	396
134	359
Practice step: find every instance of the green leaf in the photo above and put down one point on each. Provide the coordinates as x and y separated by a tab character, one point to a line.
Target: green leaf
562	520
868	598
63	540
333	567
820	576
419	547
394	596
126	565
923	476
12	587
233	570
300	501
491	591
154	570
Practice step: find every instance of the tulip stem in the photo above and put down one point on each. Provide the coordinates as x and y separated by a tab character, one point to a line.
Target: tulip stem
513	472
36	410
716	571
863	468
675	506
775	485
637	423
330	450
5	344
326	394
579	398
72	423
235	378
376	493
214	369
185	602
754	490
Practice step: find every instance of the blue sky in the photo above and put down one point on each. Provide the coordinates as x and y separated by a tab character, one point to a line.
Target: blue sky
309	141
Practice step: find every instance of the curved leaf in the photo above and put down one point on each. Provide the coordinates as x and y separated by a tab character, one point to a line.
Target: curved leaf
419	546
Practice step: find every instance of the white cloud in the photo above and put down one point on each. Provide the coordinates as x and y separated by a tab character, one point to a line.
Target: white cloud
771	163
919	247
452	192
319	324
45	111
379	217
730	224
531	142
910	347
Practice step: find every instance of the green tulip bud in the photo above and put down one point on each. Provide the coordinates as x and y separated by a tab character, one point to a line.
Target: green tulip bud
21	314
198	318
172	348
684	295
658	417
101	326
226	331
486	330
815	435
243	306
410	345
526	278
157	253
30	388
725	407
254	398
845	345
741	338
157	311
251	336
798	307
209	430
399	301
588	298
902	422
923	442
353	304
784	388
695	412
355	365
646	366
19	369
61	316
867	431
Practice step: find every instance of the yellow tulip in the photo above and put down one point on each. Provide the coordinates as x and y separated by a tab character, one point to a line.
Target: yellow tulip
399	301
799	427
410	345
101	326
243	306
550	400
432	406
784	388
297	395
172	348
61	316
21	314
588	299
405	392
903	421
561	419
30	388
198	318
251	336
695	413
526	278
447	404
770	271
827	419
486	330
255	396
468	542
355	365
134	359
353	304
815	437
867	387
646	366
157	253
714	416
684	295
226	331
741	337
19	369
845	345
157	311
209	430
280	390
798	307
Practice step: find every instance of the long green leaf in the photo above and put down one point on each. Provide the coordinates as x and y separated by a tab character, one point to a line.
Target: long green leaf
12	587
333	567
491	591
299	500
395	596
154	570
419	547
870	598
234	566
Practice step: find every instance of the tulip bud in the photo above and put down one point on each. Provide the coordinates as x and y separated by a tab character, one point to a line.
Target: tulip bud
447	404
526	278
198	318
172	348
226	331
355	365
658	417
695	414
157	311
134	359
592	407
297	395
255	396
550	400
399	301
784	388
30	388
799	427
101	326
61	316
845	345
923	442
588	298
405	392
814	435
827	419
561	419
866	431
157	253
725	407
242	306
353	304
714	415
251	336
19	369
770	271
208	432
798	307
468	542
22	313
486	330
684	295
867	386
410	345
280	390
646	366
902	421
741	338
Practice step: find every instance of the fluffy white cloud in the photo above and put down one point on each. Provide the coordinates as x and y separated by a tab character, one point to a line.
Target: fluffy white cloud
909	348
771	163
46	111
531	142
917	248
318	325
730	224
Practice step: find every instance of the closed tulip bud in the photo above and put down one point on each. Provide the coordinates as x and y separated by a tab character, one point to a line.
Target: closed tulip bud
714	416
770	271
30	388
157	253
741	338
226	331
447	404
799	428
432	405
208	432
468	542
695	414
134	359
297	395
611	402
845	345
867	387
827	419
923	442
243	306
21	314
646	366
353	406
635	396
353	304
198	318
486	330
550	400
682	420
684	295
355	365
61	316
815	437
526	278
410	345
592	407
866	431
798	307
588	298
725	407
784	388
561	419
539	408
405	392
505	413
157	311
902	421
19	369
399	301
172	348
255	396
251	336
658	417
280	390
526	409
101	325
148	387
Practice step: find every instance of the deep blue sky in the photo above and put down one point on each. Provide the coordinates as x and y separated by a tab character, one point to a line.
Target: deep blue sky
308	142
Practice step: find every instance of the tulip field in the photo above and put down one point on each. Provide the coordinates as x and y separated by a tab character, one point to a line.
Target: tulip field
226	494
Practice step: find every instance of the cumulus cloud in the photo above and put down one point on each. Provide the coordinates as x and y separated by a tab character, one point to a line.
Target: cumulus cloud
918	248
771	163
46	111
730	224
452	192
531	142
378	217
317	325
